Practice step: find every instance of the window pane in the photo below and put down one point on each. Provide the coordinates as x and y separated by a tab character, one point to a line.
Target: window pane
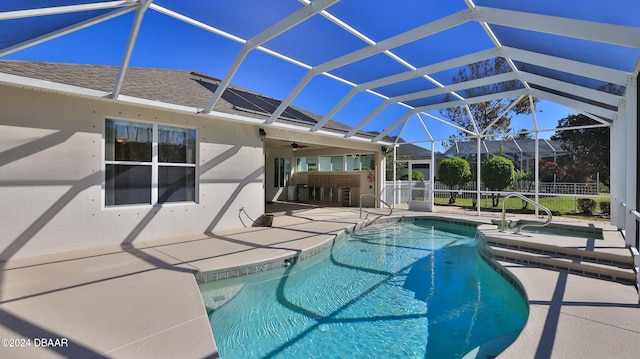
176	145
176	184
127	185
282	171
324	163
368	162
353	162
301	164
337	162
128	141
312	163
277	170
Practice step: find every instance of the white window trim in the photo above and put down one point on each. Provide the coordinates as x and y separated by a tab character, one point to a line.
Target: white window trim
155	164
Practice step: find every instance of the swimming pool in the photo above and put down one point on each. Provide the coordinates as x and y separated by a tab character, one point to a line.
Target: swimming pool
416	289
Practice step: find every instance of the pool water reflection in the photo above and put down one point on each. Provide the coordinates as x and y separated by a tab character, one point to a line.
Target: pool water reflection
414	289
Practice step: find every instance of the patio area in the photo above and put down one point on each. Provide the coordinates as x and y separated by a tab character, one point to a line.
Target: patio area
143	300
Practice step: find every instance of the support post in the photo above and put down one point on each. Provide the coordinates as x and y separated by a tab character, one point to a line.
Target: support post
537	173
478	179
631	149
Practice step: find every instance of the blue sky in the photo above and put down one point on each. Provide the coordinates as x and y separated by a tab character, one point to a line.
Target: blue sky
164	42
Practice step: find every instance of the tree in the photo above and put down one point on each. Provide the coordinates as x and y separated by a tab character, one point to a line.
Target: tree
548	171
523	134
454	172
588	149
497	174
486	112
416	176
522	182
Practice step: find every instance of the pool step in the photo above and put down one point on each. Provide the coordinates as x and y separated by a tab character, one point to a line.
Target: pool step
597	257
571	264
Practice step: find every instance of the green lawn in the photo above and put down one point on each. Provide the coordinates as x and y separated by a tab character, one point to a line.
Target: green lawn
557	205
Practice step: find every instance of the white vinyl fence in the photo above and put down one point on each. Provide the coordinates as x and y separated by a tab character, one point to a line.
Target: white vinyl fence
562	197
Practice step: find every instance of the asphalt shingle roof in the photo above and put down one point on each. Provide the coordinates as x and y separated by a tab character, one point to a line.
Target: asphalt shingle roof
179	87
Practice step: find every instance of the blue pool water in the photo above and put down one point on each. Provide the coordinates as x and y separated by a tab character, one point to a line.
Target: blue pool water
395	290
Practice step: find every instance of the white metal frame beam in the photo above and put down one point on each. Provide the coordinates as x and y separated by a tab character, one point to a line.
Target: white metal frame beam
552	62
382	46
67	30
403	76
569	66
431	92
473	100
55	10
579	29
143	5
481	14
575	104
501	115
581	91
280	27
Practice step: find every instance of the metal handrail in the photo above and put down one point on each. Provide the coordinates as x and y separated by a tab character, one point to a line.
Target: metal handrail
375	197
526	224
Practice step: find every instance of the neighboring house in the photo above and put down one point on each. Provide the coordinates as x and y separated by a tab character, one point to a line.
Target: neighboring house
82	170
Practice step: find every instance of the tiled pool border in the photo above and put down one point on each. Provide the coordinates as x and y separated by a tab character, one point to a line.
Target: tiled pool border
253	268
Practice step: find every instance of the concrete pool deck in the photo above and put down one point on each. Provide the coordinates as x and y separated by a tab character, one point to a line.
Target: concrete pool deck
143	301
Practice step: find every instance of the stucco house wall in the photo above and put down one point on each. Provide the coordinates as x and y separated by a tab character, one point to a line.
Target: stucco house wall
52	175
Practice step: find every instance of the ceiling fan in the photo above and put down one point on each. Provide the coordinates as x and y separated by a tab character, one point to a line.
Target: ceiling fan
294	146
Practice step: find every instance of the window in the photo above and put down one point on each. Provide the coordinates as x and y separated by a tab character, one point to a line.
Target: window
148	164
301	164
352	162
282	172
368	162
337	163
324	163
